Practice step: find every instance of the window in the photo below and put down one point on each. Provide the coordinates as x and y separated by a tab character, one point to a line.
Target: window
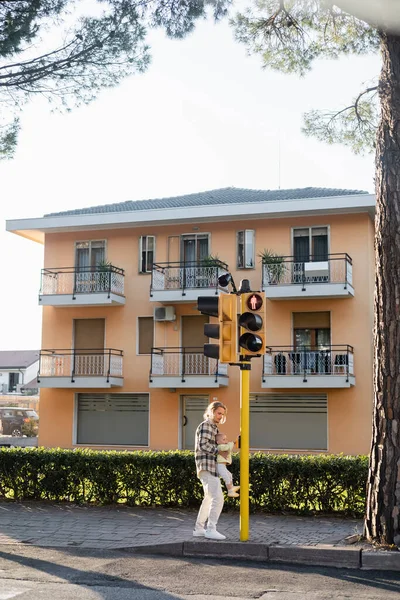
310	244
90	254
145	335
194	247
312	329
113	419
146	253
289	422
13	382
245	249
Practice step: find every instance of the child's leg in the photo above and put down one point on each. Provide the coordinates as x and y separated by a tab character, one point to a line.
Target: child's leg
225	474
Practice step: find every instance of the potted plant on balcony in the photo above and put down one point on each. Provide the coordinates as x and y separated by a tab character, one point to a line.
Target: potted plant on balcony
212	260
208	277
275	266
104	268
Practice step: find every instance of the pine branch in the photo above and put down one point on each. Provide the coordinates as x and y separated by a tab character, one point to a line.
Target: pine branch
354	126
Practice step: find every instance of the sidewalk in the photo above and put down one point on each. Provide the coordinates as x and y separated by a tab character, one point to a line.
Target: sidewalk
307	540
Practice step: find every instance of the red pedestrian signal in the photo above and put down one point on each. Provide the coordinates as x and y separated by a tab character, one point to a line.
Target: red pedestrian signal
252	324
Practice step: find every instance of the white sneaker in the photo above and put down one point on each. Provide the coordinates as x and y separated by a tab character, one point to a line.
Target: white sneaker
213	534
199	533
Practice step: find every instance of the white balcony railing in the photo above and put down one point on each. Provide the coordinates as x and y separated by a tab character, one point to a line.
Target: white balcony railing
285	270
183	362
309	361
88	280
182	276
87	363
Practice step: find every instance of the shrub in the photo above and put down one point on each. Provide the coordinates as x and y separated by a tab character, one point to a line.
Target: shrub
297	484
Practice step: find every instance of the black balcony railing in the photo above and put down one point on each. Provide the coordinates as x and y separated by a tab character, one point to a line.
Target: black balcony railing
104	362
288	270
309	361
82	280
186	275
182	362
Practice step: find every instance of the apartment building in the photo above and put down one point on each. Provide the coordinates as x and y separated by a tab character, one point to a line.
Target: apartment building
121	364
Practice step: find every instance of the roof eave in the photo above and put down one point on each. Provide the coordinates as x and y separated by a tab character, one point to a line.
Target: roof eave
34	229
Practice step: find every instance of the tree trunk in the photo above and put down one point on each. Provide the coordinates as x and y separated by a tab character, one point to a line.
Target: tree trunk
382	522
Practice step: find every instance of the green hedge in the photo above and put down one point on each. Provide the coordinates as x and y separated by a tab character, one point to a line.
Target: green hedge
299	484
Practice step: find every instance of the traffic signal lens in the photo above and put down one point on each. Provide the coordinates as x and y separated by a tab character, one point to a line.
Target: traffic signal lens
211	330
254	301
224	279
211	350
251	321
208	305
251	342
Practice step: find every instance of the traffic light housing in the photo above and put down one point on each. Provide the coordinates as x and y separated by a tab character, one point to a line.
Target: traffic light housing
252	323
225	331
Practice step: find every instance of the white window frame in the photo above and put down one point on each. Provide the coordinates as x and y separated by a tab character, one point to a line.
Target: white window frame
310	235
143	248
90	242
249	261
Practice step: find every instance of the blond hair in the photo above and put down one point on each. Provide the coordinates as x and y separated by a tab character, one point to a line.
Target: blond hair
211	408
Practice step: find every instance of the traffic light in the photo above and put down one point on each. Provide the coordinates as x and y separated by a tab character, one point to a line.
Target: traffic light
225	331
252	324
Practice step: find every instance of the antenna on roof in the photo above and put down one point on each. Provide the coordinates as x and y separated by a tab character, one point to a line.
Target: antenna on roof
279	161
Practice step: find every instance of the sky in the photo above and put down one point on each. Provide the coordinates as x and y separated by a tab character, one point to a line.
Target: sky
204	116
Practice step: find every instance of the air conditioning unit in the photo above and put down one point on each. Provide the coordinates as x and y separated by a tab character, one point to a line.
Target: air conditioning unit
164	313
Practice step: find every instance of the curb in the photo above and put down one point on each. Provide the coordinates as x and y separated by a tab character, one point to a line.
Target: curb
325	556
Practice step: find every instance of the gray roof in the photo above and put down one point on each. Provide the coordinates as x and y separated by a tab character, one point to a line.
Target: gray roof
18	359
31	384
228	195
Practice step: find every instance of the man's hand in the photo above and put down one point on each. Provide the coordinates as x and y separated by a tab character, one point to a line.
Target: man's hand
224	454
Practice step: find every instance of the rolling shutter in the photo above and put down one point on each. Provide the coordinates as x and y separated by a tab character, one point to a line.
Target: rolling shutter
289	422
113	419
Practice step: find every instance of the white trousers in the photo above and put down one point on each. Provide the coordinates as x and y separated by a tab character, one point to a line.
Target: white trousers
213	501
224	473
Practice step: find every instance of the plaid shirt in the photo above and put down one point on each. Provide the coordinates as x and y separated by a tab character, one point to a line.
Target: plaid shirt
206	448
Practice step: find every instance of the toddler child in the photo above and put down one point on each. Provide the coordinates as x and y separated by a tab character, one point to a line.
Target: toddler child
222	462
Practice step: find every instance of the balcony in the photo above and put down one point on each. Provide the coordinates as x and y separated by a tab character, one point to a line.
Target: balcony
185	368
183	282
305	367
83	286
94	368
283	278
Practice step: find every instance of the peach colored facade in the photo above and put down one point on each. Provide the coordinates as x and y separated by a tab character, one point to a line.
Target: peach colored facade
348	412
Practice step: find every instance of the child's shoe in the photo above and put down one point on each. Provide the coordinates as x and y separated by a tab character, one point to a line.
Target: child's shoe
233	494
235	488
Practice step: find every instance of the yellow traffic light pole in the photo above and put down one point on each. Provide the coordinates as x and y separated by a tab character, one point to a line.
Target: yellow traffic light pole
245	367
252	341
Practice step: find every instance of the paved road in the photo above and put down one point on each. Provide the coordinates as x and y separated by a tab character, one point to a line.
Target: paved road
28	573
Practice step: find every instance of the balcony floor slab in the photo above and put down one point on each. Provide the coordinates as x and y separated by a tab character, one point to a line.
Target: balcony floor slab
181	296
309	381
68	300
80	381
312	290
190	381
